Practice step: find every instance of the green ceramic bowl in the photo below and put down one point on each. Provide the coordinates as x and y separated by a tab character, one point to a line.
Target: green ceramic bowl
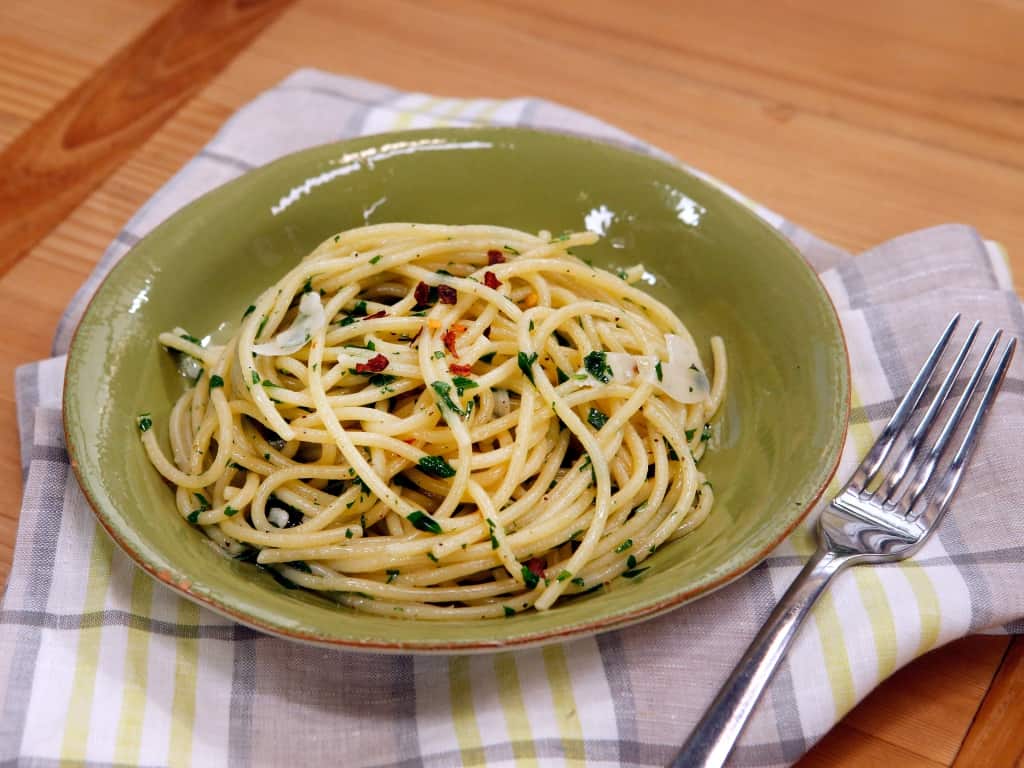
720	267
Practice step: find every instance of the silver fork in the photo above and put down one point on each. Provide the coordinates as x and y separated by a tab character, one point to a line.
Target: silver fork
876	518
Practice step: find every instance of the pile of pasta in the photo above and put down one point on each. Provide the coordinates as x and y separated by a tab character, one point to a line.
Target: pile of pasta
444	422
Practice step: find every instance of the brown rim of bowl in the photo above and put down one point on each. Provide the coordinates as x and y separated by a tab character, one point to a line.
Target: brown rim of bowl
479	646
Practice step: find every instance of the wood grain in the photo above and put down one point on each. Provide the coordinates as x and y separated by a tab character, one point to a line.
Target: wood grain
69	151
995	738
860	122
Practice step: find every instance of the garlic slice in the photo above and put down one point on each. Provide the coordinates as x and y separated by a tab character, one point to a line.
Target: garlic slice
311	318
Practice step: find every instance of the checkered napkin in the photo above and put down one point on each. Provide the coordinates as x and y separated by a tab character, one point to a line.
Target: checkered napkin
98	665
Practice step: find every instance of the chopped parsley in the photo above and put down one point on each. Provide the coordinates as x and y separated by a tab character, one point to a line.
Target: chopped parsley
530	577
657	369
249	311
564	575
263	324
193	516
423	522
488	358
494	541
436	466
705	434
509	249
432	557
463	383
596	363
624	545
632	573
381	379
216	381
376	258
525	364
562	375
439	354
255	377
145	422
230	511
578	581
442	389
509	611
192	339
630	561
392	574
597	418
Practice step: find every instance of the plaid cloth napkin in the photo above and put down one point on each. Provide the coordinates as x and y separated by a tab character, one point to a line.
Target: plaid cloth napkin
99	666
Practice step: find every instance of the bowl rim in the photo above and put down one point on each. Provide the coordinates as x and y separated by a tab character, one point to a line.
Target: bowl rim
526	639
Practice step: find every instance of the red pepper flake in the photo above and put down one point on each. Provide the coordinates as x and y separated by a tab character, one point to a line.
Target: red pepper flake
536	566
491	281
446	294
449	338
422	293
459	369
495	257
378	314
373	365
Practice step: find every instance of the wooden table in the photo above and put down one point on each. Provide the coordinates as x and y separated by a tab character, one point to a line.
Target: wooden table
859	120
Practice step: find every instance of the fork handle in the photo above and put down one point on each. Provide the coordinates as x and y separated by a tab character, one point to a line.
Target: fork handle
715	735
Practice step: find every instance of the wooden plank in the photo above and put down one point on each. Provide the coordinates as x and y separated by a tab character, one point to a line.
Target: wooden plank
49	48
997	735
924	709
67	153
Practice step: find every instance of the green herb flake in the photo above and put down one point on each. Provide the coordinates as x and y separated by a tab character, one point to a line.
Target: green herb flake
424	522
392	574
442	390
530	577
509	611
216	381
230	511
624	545
632	573
564	575
657	369
488	358
263	324
268	383
494	541
249	310
705	434
463	383
348	533
145	422
376	258
597	418
203	502
381	379
525	364
531	325
509	249
561	375
439	354
578	581
192	339
631	561
193	516
436	466
432	557
255	376
596	363
576	535
308	286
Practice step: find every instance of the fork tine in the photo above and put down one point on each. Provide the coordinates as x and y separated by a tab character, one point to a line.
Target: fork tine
911	495
914	443
876	456
962	458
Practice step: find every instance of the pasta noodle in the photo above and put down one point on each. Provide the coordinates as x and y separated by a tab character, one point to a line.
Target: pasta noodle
445	422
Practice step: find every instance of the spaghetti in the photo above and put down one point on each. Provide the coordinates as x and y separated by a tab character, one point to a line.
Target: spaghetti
445	422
